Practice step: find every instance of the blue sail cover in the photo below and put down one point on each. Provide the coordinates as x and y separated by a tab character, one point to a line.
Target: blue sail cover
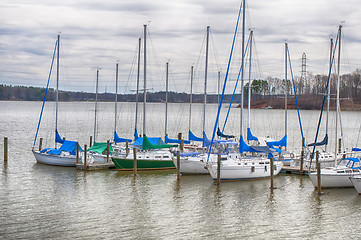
219	133
206	141
154	141
136	134
323	142
58	139
192	137
280	143
250	137
356	149
117	139
169	140
243	147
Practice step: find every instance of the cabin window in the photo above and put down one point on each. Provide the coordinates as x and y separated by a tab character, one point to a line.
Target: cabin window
165	156
158	156
348	171
340	171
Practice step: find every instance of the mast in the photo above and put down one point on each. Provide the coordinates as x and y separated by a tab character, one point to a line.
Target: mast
219	90
242	81
329	92
137	95
166	100
205	83
190	100
286	89
96	106
249	81
57	87
145	78
338	91
116	97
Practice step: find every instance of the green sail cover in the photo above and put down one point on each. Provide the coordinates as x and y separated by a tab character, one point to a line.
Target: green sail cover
147	145
100	147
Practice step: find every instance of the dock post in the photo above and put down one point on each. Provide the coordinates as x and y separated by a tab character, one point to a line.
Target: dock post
5	150
219	169
108	143
318	165
302	157
135	161
178	166
77	153
91	141
40	144
126	148
272	172
179	136
85	149
339	145
182	146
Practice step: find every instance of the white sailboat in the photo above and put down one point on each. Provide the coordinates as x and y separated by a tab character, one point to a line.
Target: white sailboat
66	154
339	175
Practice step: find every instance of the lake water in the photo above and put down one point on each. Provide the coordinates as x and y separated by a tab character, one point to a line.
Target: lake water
47	202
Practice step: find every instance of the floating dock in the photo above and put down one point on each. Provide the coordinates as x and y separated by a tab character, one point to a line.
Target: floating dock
96	166
294	170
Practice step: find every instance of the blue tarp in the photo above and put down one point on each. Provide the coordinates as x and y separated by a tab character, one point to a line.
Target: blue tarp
243	147
169	140
250	137
117	139
280	143
68	146
192	137
154	141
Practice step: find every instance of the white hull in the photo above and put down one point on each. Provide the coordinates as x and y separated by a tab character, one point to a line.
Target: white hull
57	160
356	181
192	165
333	178
251	168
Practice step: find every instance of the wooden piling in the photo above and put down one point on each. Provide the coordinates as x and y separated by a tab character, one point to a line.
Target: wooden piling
182	146
135	161
339	145
302	157
85	149
91	141
178	166
126	148
219	169
179	136
77	153
272	171
40	144
318	165
5	149
108	143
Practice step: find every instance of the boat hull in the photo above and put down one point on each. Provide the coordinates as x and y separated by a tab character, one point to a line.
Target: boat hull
142	164
356	182
194	165
332	180
234	171
56	160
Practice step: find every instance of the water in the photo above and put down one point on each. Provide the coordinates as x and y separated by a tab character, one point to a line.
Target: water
46	202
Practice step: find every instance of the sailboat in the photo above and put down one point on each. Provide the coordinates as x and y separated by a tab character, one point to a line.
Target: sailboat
235	164
339	175
66	154
152	153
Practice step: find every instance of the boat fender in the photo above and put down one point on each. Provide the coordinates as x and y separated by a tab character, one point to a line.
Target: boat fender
292	155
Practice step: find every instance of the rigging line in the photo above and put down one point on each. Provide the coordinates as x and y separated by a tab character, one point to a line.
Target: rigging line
225	84
46	91
155	56
324	98
294	90
235	88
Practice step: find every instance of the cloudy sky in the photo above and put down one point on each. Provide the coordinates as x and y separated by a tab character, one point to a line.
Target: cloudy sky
98	34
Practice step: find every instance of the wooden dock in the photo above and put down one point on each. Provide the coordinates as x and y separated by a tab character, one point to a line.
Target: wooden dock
294	170
96	166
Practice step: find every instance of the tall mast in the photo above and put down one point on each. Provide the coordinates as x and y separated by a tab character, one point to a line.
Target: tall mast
116	97
190	100
219	90
96	105
286	87
166	100
249	81
57	87
145	78
242	82
137	94
205	83
329	91
338	91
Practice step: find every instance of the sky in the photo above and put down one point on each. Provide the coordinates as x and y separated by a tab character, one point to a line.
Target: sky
99	34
